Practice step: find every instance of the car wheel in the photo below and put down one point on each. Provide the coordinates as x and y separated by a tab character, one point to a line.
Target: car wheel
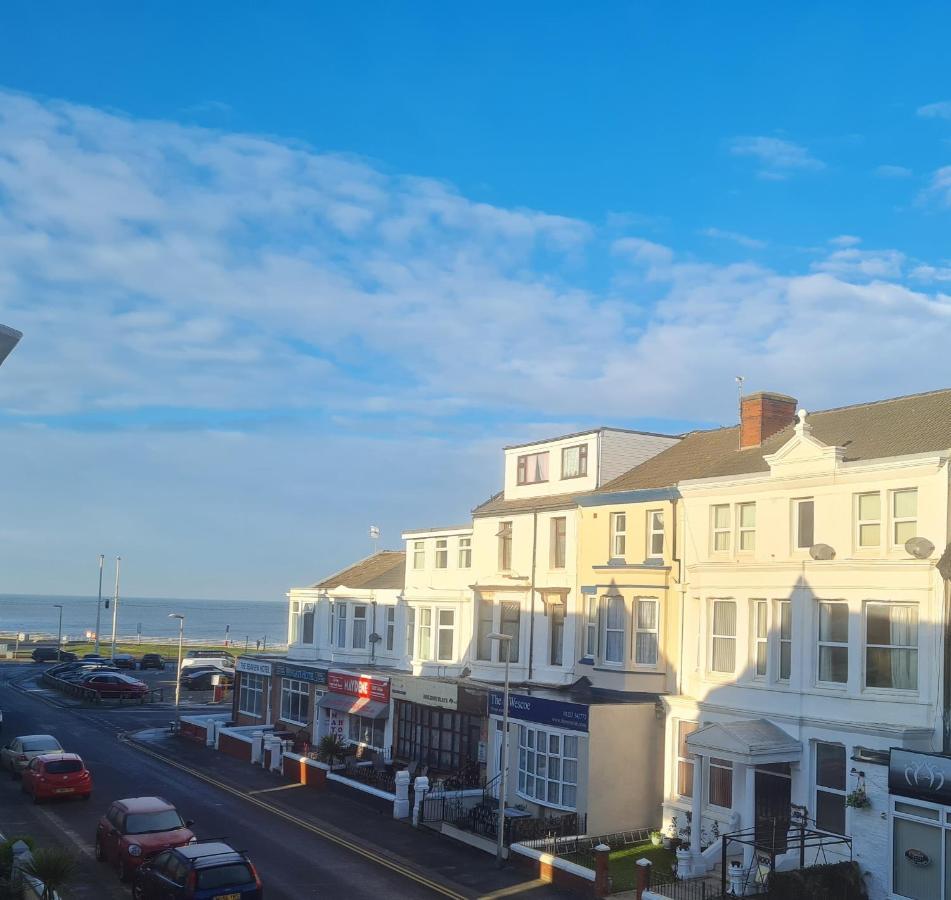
100	853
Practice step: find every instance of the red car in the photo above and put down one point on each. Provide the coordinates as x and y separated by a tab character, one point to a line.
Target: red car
115	685
56	775
132	831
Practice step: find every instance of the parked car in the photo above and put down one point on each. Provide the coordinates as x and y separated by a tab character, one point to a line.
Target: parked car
212	869
124	661
133	830
95	657
49	654
218	658
204	679
152	661
196	670
17	754
114	685
81	672
56	775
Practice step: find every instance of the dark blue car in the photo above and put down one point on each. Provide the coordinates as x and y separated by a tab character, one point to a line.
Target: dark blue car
202	871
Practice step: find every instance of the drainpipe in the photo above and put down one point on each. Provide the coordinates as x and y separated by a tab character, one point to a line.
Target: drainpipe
372	632
681	588
531	620
946	675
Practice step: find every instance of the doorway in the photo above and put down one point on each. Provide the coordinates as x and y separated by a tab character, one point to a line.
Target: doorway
772	806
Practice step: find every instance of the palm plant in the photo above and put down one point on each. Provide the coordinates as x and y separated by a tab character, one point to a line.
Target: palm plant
331	749
54	866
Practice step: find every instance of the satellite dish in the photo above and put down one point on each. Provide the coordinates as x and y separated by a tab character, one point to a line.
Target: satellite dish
822	551
919	547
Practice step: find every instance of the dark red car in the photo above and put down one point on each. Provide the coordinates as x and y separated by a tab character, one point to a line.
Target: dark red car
56	775
115	685
132	831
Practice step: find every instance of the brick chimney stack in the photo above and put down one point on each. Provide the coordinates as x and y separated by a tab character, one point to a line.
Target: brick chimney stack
762	415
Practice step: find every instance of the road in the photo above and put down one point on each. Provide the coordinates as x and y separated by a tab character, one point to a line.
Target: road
292	863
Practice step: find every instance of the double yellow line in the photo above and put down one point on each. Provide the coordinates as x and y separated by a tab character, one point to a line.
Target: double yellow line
314	829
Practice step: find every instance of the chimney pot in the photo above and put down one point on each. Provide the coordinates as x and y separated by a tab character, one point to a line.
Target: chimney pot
764	414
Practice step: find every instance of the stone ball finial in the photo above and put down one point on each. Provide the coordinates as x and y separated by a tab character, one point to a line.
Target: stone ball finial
801	415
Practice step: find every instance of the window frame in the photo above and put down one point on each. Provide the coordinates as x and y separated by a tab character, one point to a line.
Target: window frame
442	552
441	629
514	624
907	648
390	629
591	631
742	530
582	461
556	632
717	531
654	532
721	765
411	632
637	630
485	625
830	790
419	555
252	684
504	533
424	641
558	544
522	466
363	620
685	760
465	552
715	636
290	688
759	621
618	544
535	743
867	523
896	520
341	637
831	644
798	503
376	727
782	605
611	602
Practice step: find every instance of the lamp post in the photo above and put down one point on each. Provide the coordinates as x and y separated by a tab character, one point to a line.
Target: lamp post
178	672
115	608
505	642
102	559
59	636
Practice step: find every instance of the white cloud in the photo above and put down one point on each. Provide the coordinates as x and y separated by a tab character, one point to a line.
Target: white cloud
893	172
940	110
642	251
845	240
940	186
737	238
777	158
854	263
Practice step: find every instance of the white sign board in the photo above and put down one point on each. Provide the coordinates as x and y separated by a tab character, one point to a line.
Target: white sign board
254	666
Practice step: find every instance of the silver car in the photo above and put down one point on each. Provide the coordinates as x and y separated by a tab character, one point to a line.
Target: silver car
16	754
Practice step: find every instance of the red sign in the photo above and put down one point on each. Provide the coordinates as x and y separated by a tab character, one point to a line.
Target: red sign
359	686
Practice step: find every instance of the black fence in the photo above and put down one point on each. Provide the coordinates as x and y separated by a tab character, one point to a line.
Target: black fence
690	889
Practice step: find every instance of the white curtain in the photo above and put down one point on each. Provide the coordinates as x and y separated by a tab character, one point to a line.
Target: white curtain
724	636
903	631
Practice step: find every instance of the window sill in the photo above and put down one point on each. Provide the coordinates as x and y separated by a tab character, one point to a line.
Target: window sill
545	803
899	694
251	715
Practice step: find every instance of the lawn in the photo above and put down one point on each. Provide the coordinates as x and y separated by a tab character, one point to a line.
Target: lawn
621	863
168	650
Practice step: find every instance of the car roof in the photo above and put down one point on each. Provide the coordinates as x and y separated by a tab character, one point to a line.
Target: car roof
210	851
151	654
30	737
46	757
144	804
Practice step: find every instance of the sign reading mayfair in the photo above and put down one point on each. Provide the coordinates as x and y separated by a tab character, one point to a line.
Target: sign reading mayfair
526	708
359	686
298	673
923	776
254	666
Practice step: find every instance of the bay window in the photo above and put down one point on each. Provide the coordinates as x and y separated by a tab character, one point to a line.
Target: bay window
411	631
358	633
307	624
556	625
785	640
484	627
645	631
367	731
548	767
591	626
891	646
446	632
510	623
425	633
294	623
614	630
295	701
685	760
723	637
341	610
390	628
833	642
760	638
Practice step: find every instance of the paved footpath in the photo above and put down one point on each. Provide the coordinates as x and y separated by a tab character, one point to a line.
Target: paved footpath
356	820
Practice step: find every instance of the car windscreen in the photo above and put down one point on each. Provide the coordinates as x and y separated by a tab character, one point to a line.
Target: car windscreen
35	744
231	875
146	823
63	766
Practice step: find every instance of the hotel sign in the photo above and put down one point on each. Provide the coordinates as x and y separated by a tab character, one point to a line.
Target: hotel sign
425	691
922	776
299	673
541	710
253	666
363	686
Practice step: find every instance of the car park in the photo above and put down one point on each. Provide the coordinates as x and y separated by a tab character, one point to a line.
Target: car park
220	658
16	755
124	661
50	654
198	871
135	829
204	679
152	661
56	775
80	673
114	685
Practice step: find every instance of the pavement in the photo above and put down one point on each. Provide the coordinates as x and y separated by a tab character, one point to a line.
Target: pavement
335	843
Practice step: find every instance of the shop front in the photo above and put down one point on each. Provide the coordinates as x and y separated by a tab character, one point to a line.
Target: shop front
356	708
252	692
440	724
919	787
295	691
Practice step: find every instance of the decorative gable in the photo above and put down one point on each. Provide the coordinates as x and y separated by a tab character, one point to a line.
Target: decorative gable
804	454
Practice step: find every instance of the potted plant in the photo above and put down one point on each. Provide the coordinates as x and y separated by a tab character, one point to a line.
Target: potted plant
685	831
858	799
331	750
657	838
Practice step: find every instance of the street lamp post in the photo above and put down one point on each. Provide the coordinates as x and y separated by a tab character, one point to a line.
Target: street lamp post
505	642
178	672
102	559
59	636
115	608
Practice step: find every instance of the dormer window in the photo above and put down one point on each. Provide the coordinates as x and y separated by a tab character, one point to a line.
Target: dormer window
533	468
574	461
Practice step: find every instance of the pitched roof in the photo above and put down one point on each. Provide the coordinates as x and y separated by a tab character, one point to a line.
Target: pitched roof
919	423
499	506
385	569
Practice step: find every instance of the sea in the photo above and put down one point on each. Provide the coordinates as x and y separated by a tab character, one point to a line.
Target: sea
240	621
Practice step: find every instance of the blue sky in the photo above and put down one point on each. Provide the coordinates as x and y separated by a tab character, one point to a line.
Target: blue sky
267	258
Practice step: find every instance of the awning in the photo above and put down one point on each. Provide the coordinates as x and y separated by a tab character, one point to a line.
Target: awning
358	706
753	742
